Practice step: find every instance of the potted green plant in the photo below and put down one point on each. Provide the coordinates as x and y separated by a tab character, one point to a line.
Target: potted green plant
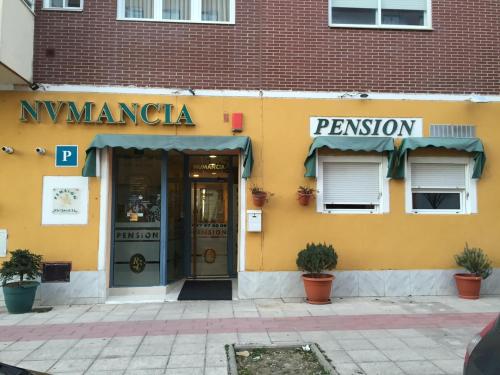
314	260
478	266
23	267
305	193
259	196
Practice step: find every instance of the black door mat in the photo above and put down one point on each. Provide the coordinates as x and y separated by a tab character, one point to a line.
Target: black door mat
206	290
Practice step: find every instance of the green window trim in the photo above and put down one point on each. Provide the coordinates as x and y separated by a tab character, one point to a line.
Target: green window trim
167	142
471	145
345	143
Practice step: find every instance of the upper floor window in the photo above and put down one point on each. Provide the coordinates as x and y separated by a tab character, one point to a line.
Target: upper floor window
63	4
30	3
219	11
380	13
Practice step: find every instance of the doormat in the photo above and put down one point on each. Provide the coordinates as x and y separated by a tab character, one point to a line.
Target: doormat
206	290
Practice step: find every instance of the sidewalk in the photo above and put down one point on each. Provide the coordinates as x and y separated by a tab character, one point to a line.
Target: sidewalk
420	335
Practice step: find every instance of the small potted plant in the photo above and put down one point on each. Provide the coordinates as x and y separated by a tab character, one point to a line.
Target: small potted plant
259	196
23	267
314	260
305	193
478	266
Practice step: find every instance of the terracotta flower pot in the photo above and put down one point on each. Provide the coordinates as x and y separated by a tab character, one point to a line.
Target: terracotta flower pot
304	199
468	285
318	288
259	199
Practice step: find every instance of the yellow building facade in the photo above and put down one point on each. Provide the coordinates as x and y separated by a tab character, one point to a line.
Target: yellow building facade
394	249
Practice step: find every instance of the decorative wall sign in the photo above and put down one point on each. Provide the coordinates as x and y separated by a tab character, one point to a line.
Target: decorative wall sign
65	200
137	263
365	127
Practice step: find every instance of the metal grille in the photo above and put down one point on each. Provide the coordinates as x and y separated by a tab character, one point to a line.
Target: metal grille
453	131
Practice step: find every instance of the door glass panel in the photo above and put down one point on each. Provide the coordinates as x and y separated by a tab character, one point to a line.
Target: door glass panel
176	218
209	201
210	166
136	259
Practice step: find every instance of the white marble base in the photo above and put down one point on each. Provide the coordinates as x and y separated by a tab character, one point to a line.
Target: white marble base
85	287
384	283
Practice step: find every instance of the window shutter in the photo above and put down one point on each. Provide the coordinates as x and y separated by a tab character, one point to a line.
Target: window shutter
405	4
351	183
437	175
368	4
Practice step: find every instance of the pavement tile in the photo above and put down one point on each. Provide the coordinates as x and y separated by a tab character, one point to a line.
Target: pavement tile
348	369
355	344
71	365
148	362
183	361
153	350
158	340
339	335
285	337
439	353
25	345
402	354
338	356
407	332
110	364
329	345
224	338
46	352
420	342
253	338
126	341
149	371
419	368
450	366
216	371
5	344
216	360
388	343
367	355
198	348
81	353
184	371
380	368
375	333
118	351
88	343
101	372
190	339
41	366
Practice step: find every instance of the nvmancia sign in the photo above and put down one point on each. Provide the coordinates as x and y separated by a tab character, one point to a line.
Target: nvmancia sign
366	127
88	113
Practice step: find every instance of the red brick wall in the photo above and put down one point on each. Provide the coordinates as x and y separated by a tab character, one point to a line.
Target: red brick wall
291	49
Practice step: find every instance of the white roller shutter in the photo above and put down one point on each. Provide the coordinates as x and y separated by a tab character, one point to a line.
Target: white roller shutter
367	4
437	175
351	183
405	4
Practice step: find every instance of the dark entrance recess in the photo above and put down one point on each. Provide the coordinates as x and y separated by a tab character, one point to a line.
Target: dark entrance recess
206	290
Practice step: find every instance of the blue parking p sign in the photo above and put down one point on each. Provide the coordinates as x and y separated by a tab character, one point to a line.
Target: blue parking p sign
66	156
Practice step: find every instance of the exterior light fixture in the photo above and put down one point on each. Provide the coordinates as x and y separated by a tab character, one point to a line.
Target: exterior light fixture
212	156
196	175
40	150
7	149
364	95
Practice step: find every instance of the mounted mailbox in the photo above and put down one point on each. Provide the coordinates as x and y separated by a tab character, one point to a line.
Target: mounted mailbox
254	220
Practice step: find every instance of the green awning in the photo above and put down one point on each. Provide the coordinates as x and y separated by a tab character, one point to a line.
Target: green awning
367	144
472	145
169	142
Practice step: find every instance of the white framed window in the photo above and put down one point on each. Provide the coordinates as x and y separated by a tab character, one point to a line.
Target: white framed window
391	14
352	184
440	185
30	4
196	11
76	5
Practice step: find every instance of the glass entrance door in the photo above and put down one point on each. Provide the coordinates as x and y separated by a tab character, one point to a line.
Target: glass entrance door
137	218
210	216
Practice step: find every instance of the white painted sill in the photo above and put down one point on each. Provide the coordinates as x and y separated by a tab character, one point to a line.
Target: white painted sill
381	27
64	9
174	21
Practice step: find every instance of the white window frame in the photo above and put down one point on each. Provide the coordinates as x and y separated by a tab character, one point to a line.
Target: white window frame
195	13
378	25
384	198
46	6
468	196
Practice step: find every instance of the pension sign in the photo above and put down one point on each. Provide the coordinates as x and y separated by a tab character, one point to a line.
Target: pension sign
365	127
